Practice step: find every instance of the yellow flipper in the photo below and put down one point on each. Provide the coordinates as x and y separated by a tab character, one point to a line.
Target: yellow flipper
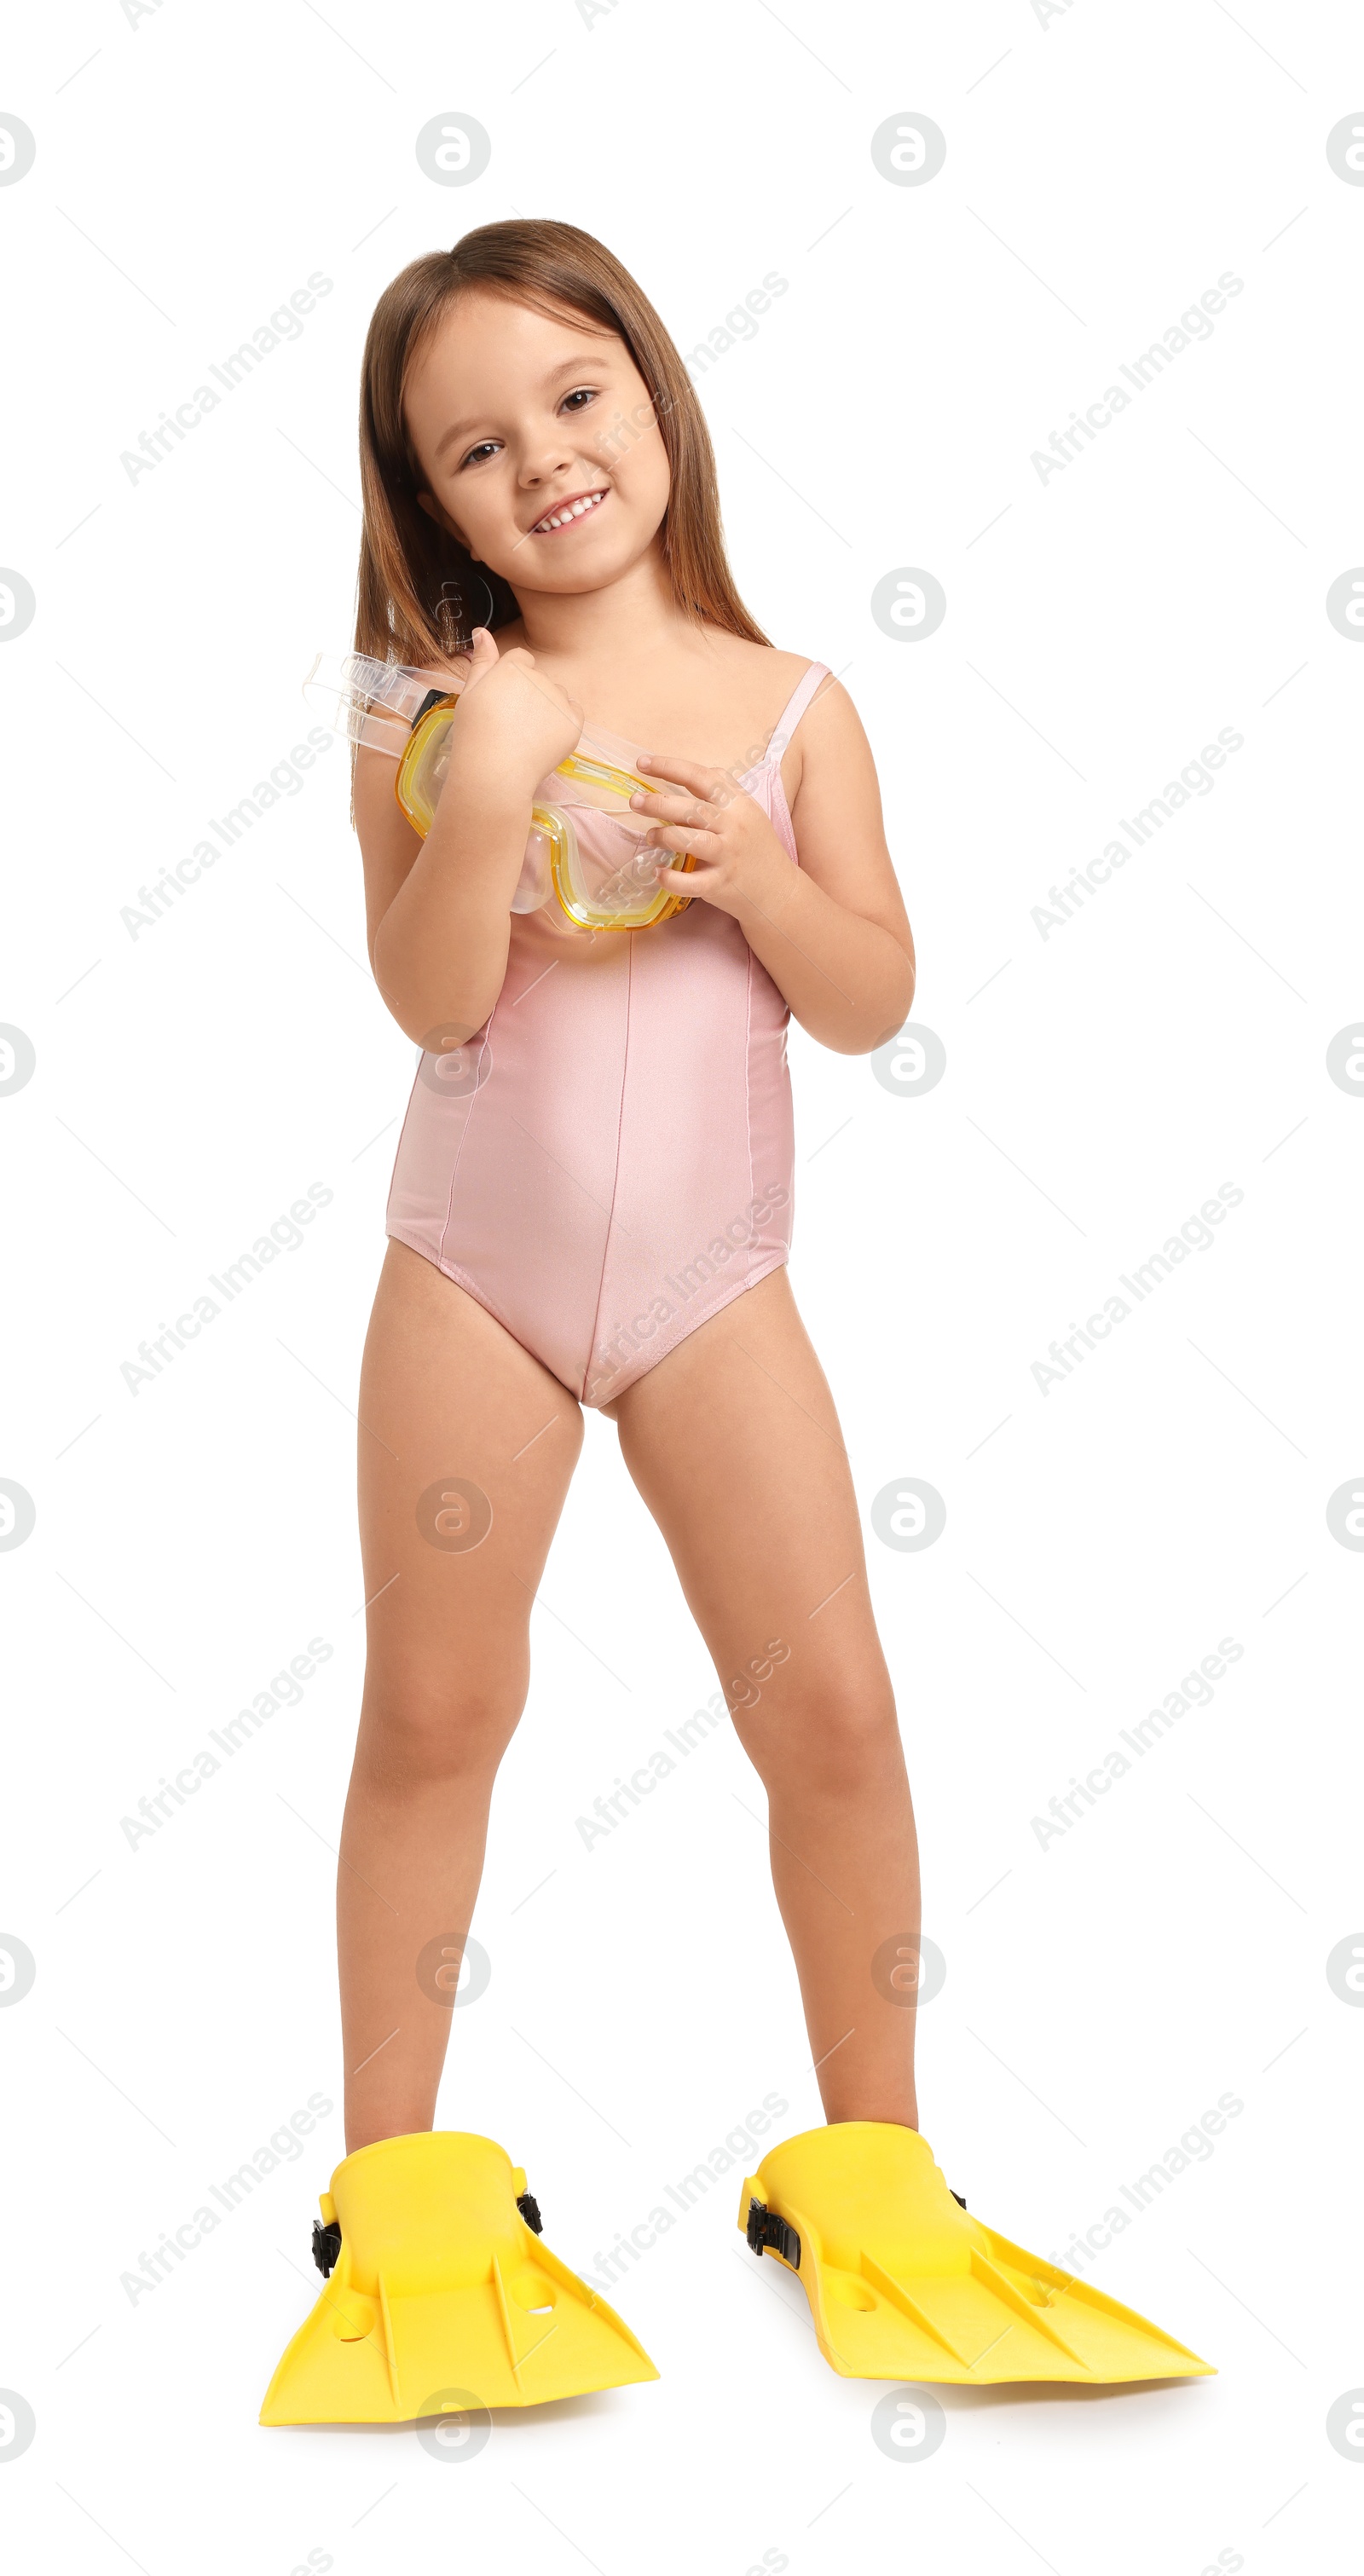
904	2284
441	2286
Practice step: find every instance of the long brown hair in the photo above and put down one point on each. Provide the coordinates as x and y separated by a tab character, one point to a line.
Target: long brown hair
419	592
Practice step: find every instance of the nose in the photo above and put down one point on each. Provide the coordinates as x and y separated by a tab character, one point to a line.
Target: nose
541	461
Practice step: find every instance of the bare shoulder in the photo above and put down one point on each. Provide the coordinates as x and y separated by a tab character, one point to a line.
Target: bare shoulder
829	740
759	682
831	720
759	669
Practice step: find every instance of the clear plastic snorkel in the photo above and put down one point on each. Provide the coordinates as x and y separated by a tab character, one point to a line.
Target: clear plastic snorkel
584	851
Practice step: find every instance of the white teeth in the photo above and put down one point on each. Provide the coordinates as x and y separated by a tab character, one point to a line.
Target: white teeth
565	518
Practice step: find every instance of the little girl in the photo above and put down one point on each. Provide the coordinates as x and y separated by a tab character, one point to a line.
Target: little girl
591	1205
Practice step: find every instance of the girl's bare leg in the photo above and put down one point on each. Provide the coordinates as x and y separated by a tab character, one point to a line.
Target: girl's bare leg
445	1394
734	1444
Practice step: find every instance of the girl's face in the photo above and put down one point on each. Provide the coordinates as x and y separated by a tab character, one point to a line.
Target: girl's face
519	422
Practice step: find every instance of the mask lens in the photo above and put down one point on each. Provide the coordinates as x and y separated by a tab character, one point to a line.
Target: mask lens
609	881
533	884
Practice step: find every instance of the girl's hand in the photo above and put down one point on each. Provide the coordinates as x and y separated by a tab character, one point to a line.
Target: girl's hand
513	725
740	863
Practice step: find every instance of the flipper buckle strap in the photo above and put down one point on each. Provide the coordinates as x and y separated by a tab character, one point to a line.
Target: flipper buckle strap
326	2247
768	2233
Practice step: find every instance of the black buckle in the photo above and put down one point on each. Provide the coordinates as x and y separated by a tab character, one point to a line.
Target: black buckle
529	2207
766	2233
956	2195
326	2245
433	698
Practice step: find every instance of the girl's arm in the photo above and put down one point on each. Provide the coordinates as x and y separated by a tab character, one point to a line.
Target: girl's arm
832	933
439	910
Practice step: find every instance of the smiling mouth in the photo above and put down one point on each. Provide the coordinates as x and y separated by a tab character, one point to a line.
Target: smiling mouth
567	516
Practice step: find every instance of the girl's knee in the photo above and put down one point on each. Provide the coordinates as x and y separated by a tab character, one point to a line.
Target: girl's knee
421	1733
839	1739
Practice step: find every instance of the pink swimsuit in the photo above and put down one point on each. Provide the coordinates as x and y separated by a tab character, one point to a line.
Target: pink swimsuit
610	1160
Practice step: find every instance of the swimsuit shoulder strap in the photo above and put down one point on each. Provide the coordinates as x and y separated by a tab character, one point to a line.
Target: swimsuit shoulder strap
805	689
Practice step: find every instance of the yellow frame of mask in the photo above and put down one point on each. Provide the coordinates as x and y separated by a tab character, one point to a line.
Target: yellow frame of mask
421	814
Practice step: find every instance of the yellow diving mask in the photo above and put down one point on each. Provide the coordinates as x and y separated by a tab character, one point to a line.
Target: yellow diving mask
585	850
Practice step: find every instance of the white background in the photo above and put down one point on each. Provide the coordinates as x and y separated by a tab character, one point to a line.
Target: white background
1102	170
